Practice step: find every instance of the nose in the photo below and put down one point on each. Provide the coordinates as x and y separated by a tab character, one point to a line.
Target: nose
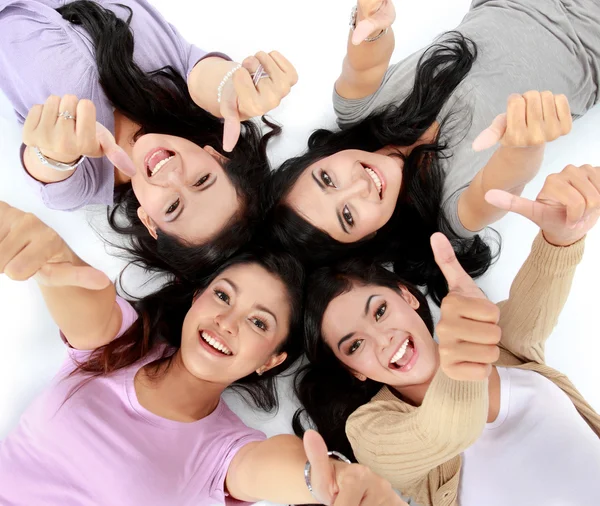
384	338
227	323
359	185
175	177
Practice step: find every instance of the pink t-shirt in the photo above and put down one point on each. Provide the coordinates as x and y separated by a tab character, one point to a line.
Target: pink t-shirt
101	447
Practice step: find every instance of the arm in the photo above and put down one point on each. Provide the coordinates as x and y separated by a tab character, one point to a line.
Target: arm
80	299
273	470
531	120
404	447
365	63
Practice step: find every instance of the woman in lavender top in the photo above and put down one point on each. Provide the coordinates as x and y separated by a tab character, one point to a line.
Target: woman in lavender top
168	115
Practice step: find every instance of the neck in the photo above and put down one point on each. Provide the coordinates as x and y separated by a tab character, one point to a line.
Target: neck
176	394
125	130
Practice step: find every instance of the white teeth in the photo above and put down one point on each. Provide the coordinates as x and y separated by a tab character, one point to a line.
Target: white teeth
215	344
375	178
161	164
400	353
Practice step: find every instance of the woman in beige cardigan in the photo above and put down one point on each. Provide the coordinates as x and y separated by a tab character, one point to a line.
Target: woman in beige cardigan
479	419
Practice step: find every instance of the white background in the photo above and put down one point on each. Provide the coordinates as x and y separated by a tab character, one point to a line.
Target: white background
312	34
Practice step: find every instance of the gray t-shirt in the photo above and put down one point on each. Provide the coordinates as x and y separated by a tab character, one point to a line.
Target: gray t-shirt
522	45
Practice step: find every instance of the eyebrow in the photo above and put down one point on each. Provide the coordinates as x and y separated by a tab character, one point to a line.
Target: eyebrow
344	339
338	214
369	303
257	306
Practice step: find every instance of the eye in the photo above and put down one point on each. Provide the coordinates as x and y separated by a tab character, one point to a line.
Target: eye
222	295
202	180
380	311
326	179
259	323
348	216
355	346
173	207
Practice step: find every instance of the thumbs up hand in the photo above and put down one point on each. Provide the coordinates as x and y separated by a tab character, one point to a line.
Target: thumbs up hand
468	329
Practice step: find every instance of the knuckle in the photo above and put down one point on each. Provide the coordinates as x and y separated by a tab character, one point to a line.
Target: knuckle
261	55
70	98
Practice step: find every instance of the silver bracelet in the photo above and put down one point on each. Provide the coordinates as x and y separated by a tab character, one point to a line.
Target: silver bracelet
225	79
353	15
56	165
336	455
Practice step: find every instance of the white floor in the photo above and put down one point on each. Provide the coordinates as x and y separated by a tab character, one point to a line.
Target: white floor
312	35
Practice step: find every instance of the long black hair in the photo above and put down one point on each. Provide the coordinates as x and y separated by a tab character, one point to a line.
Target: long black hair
159	101
328	392
161	316
404	240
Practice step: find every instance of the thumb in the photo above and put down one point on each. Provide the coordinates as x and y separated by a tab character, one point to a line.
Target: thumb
66	274
322	472
491	135
520	205
232	123
456	277
113	151
363	29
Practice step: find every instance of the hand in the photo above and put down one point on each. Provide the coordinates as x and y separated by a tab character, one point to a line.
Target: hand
29	248
468	329
373	16
566	209
531	119
65	140
340	484
242	100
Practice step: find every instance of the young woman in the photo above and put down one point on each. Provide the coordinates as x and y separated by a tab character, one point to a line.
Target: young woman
478	418
135	415
159	101
403	166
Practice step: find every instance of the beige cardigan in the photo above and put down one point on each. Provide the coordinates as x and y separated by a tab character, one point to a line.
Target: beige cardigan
418	449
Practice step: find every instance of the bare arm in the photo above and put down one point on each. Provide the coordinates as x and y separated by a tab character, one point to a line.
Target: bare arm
365	63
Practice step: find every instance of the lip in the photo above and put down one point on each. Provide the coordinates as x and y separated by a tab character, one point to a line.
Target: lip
413	360
209	348
149	156
380	176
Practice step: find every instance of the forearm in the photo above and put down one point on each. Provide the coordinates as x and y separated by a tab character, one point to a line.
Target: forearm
509	169
41	172
272	470
204	80
87	318
365	64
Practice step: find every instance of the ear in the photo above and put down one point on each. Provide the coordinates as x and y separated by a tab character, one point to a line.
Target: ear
215	154
409	297
147	221
273	361
359	376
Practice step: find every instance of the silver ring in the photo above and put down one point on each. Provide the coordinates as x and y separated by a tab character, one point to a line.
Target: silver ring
258	75
66	115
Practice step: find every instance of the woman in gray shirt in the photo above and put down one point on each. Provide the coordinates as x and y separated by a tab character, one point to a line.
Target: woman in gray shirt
403	165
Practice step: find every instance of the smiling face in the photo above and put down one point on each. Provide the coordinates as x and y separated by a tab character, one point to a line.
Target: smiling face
182	188
348	195
235	325
376	333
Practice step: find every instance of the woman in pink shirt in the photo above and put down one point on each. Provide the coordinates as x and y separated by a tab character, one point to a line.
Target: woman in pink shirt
135	414
189	198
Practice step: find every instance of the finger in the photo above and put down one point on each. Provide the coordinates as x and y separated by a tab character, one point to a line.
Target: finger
251	64
459	311
473	331
286	66
585	186
534	115
563	111
10	248
363	29
31	123
66	127
50	113
467	371
322	473
248	100
278	79
352	493
113	151
469	352
232	127
85	128
491	135
25	262
65	274
501	199
516	125
458	280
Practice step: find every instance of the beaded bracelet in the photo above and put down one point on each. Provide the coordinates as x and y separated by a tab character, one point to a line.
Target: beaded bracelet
225	79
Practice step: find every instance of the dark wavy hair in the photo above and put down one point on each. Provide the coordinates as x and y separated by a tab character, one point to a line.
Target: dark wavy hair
404	240
328	392
161	316
159	101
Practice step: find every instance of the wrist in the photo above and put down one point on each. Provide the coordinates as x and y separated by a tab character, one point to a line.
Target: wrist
58	157
558	241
